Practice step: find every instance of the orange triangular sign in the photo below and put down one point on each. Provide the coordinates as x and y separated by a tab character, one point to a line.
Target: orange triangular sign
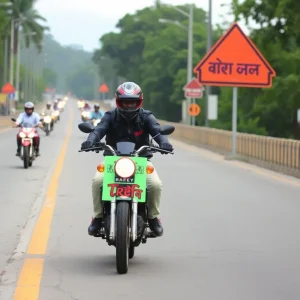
8	88
235	61
103	88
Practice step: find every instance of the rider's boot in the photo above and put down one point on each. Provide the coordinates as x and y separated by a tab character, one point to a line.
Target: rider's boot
156	227
95	226
37	152
18	151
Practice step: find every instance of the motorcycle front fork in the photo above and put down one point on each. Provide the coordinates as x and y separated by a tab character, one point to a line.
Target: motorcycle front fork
134	212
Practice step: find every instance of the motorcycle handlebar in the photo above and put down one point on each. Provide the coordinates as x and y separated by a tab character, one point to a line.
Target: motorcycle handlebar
137	152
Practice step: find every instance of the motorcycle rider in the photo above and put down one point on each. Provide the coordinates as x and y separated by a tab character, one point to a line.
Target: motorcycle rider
48	111
97	113
55	105
28	116
86	107
128	122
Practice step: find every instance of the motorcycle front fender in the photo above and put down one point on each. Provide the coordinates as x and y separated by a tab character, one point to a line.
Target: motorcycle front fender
26	143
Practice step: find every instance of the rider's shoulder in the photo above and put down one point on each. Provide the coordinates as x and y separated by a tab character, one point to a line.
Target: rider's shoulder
110	113
147	114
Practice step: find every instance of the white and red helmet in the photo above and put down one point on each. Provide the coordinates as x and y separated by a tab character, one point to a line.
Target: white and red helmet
129	92
28	108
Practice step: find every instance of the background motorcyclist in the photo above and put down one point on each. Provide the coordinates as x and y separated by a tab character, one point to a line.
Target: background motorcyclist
55	105
28	116
48	111
128	122
97	113
86	107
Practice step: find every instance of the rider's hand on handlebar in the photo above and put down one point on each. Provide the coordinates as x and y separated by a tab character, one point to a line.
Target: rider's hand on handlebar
15	125
86	145
40	125
166	146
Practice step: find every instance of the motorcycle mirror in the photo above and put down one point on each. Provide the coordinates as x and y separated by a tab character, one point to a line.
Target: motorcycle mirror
86	127
167	129
13	119
41	119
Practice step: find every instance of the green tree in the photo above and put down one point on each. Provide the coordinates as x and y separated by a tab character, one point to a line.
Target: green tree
4	30
24	11
50	78
82	82
154	54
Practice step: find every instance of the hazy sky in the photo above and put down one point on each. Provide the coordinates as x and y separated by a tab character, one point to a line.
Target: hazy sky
84	22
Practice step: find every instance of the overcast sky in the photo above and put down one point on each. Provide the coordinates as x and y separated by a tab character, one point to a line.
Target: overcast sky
84	22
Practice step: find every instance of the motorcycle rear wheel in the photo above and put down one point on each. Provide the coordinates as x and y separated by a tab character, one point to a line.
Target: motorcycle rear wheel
122	237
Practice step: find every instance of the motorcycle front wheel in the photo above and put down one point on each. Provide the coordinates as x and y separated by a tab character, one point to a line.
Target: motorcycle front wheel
122	237
47	129
26	157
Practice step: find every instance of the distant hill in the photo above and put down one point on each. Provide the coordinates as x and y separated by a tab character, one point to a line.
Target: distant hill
64	60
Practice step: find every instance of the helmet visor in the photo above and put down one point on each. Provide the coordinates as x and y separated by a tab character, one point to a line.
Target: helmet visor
129	104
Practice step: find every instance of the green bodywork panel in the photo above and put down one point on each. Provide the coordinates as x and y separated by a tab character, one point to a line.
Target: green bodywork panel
124	189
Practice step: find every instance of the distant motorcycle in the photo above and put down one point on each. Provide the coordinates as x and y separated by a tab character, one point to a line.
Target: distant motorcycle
47	124
56	115
85	115
95	122
27	132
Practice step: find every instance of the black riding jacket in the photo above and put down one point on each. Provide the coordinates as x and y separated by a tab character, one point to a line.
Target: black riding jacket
117	129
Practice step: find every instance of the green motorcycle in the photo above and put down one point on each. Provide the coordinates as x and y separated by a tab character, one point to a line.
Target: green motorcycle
124	195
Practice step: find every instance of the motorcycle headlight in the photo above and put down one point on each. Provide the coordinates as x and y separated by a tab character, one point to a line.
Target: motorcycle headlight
31	135
125	167
22	134
56	113
47	119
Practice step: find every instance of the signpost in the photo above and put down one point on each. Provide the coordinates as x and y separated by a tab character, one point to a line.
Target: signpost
103	89
9	90
236	62
193	89
194	110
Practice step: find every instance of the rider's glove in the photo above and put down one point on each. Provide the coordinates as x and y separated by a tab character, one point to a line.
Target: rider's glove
166	146
86	145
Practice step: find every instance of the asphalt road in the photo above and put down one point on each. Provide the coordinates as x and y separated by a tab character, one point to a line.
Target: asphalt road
231	229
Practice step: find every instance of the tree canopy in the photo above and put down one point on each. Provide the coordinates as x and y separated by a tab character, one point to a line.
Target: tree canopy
154	54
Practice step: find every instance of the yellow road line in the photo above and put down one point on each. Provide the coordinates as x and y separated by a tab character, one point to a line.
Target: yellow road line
39	239
29	280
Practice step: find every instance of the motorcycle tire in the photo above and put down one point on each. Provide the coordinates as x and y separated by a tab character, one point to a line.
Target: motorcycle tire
26	157
122	237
